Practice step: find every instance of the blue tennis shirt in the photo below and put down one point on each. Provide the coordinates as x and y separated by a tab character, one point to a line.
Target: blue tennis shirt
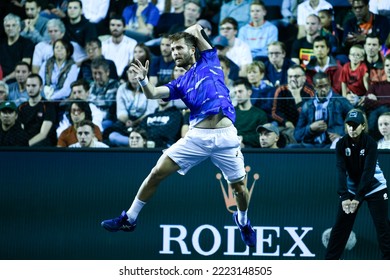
203	90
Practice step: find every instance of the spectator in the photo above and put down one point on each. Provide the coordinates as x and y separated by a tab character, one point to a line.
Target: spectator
192	12
322	61
14	48
330	28
248	117
11	131
226	68
321	121
268	136
237	50
309	7
162	66
164	125
221	43
96	11
86	137
4	91
59	71
37	115
78	29
354	75
384	129
277	64
103	91
237	9
79	90
79	110
17	90
363	23
34	27
140	19
377	100
288	101
302	49
44	50
380	7
132	108
170	18
138	138
93	48
262	90
55	9
118	47
142	53
258	33
374	59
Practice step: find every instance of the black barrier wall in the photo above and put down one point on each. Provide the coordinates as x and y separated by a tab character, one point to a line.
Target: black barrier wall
52	203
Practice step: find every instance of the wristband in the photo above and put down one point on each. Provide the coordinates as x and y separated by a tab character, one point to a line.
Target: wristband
143	82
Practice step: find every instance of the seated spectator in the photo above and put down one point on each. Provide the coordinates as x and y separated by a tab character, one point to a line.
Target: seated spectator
13	48
132	107
330	29
236	50
79	110
374	59
161	66
118	47
248	117
103	91
363	23
11	131
380	7
288	101
138	138
96	11
34	26
322	61
59	71
4	91
192	12
258	33
221	43
39	117
262	90
142	53
277	64
17	90
86	137
321	121
164	125
354	75
377	101
384	129
79	91
238	9
44	50
268	136
227	72
302	49
169	18
140	19
93	48
55	9
309	7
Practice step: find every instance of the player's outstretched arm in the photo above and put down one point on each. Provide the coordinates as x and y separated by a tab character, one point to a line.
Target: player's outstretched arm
149	89
203	41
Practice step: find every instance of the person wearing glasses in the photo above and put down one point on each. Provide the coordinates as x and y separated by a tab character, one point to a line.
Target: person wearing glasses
277	64
354	75
363	23
288	101
321	121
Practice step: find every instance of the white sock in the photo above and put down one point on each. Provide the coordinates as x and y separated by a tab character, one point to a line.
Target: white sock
134	209
242	217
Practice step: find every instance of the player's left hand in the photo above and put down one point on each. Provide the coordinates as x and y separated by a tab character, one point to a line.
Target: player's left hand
353	206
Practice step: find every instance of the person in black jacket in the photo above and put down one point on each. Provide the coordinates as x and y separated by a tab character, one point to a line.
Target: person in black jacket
359	178
11	131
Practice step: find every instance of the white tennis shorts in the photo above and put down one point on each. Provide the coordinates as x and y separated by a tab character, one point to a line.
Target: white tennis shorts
221	145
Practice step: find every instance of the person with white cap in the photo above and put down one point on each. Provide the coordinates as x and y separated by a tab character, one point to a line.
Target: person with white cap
359	179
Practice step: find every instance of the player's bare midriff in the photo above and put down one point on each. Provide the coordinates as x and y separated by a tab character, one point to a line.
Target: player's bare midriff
215	121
